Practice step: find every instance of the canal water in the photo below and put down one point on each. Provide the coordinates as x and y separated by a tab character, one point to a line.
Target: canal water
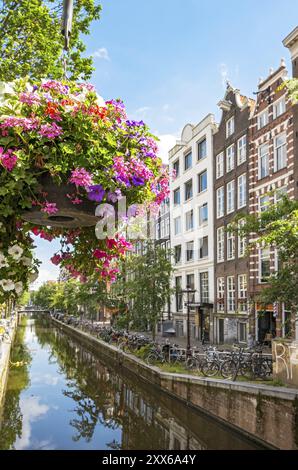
61	395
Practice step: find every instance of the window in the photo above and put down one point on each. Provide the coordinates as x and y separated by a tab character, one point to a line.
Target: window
220	202
203	214
264	203
241	240
280	193
220	244
177	254
189	220
230	127
190	283
167	226
242	292
162	229
176	168
242	191
264	265
177	225
230	245
188	190
231	293
230	158
219	165
279	107
203	247
241	150
157	227
230	197
242	332
177	196
280	152
263	119
187	161
202	149
202	181
189	251
263	161
220	294
178	287
204	287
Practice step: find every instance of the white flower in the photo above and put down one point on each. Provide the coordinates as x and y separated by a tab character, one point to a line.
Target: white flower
15	252
18	287
105	210
3	262
7	285
26	261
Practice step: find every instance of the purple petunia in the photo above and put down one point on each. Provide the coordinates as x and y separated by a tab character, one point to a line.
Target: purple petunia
96	193
138	181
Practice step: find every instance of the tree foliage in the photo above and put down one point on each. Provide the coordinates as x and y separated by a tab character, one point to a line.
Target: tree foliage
31	42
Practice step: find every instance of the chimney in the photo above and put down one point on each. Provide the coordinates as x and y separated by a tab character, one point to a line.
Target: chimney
291	42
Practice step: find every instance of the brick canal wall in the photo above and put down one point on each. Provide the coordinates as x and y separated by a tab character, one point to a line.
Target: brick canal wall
265	413
5	351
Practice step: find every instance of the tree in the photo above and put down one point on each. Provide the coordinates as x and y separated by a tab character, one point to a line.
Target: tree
31	42
277	227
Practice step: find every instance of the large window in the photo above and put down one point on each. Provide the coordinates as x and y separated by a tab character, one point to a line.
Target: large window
189	251
230	245
188	161
220	294
230	127
241	239
203	214
230	158
264	265
188	190
241	150
242	292
231	293
177	225
220	244
177	254
263	161
204	287
280	152
264	203
179	295
242	191
263	119
176	168
279	107
190	283
230	197
202	149
189	224
177	196
203	247
219	165
220	202
202	181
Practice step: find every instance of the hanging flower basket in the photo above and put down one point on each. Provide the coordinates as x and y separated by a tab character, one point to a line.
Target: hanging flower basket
63	151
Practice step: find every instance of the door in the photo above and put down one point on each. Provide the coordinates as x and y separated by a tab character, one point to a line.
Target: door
221	333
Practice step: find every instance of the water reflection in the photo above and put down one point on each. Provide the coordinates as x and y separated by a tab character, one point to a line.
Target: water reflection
74	401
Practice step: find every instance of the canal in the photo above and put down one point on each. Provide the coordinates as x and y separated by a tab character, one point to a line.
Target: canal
61	395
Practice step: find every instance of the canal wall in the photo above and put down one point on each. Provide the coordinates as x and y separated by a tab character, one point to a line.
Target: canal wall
5	351
264	413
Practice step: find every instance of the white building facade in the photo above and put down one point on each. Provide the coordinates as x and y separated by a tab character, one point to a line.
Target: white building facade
191	220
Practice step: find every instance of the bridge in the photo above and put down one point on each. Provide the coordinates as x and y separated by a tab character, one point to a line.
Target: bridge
34	310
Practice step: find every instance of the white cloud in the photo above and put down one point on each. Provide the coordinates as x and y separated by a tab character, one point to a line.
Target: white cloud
142	112
101	53
166	142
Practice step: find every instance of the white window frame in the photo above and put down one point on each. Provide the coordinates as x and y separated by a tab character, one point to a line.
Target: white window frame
230	244
231	294
278	110
283	190
220	197
189	228
261	258
242	292
230	127
203	222
200	243
263	122
264	207
284	146
220	165
175	225
242	241
241	178
230	196
220	244
190	260
220	292
230	158
241	150
260	157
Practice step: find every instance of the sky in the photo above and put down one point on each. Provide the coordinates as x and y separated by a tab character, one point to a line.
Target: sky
169	61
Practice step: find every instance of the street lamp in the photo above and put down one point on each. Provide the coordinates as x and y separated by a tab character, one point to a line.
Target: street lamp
188	291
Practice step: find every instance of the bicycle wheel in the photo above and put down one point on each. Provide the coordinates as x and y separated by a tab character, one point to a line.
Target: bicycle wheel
209	368
228	369
192	363
151	359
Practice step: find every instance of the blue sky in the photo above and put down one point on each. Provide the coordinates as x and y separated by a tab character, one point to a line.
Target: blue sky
169	59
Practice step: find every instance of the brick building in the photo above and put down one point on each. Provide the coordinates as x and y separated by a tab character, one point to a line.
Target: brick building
230	182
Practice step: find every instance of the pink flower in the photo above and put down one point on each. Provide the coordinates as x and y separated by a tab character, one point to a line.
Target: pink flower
80	177
27	124
99	254
50	131
29	98
50	208
56	259
8	159
56	86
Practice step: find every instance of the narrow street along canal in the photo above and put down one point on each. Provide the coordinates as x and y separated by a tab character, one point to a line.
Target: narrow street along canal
60	395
